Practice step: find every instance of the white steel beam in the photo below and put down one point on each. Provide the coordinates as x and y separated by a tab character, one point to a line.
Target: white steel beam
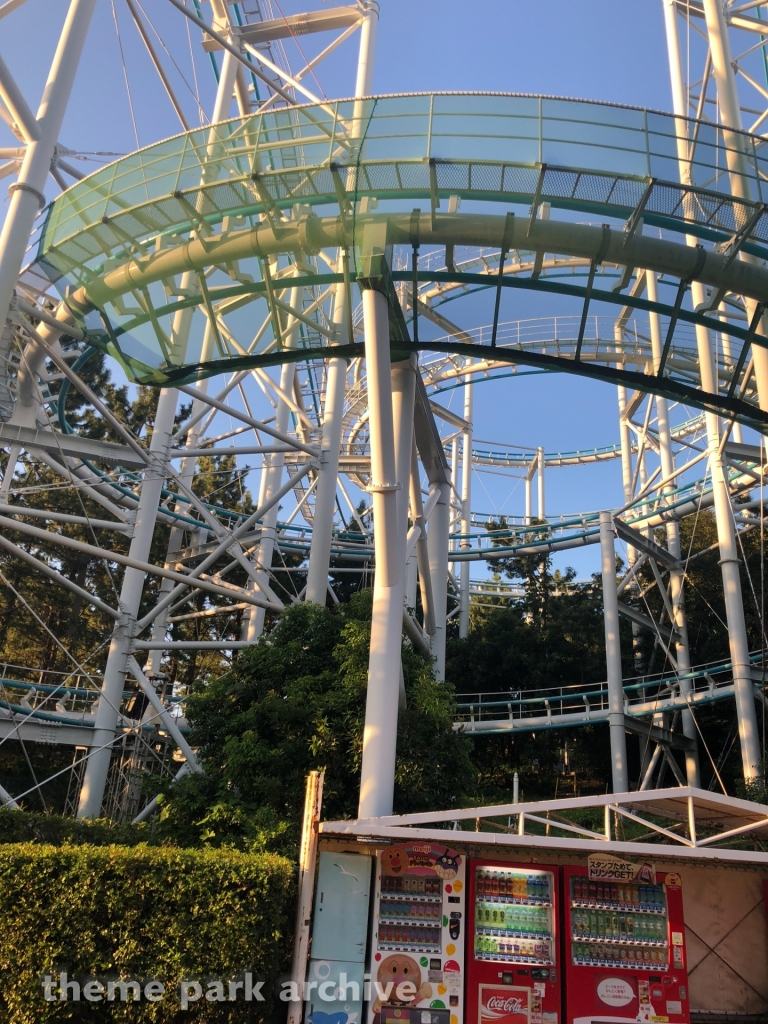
296	25
28	190
14	100
466	507
726	534
676	573
540	509
272	475
438	539
738	166
330	448
166	719
377	781
613	656
107	712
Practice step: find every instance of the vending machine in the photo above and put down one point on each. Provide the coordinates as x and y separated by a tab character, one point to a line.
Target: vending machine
624	944
417	945
513	975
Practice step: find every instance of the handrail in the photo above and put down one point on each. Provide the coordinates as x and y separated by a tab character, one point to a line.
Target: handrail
664	683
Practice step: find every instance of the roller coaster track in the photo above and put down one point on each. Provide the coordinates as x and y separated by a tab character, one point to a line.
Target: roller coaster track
30	714
556	534
197	227
565	706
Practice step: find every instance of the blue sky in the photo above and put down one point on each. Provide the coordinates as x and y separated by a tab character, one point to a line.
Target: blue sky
610	50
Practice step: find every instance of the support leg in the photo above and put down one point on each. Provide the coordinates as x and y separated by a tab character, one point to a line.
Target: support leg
677	596
726	533
107	711
325	498
25	200
438	534
613	656
377	779
253	621
466	509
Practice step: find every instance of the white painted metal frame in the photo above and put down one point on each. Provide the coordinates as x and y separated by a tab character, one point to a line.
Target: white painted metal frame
699	825
328	445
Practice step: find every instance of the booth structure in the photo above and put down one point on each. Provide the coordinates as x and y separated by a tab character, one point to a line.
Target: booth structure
526	914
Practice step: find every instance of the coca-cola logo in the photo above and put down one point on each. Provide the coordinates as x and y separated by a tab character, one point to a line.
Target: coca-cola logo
506	1004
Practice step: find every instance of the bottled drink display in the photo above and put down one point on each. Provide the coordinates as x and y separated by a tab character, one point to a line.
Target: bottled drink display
410	913
418	935
619	925
513	915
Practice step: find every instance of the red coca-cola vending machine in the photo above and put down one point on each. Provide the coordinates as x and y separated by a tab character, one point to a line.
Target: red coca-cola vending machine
513	975
624	944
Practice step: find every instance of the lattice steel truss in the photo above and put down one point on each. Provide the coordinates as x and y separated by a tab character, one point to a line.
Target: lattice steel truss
322	237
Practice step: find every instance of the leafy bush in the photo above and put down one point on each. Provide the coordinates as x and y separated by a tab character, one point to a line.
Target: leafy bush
293	702
55	830
119	913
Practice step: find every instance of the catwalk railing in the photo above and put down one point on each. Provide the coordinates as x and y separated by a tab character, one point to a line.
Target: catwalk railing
560	707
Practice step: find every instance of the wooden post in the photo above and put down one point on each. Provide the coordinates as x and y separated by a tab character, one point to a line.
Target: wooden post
313	802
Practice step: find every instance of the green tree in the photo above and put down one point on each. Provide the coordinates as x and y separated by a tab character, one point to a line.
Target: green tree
293	702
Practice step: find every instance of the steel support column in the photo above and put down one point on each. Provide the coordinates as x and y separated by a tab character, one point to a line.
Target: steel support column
466	508
625	439
438	538
377	777
107	711
403	395
613	656
27	192
364	81
180	338
253	620
726	530
422	547
676	576
325	496
176	537
541	511
738	166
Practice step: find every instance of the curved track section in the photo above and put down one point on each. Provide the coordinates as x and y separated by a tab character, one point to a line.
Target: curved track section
215	200
240	247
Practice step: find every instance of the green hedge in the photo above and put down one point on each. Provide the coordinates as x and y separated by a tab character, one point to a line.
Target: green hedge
114	912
